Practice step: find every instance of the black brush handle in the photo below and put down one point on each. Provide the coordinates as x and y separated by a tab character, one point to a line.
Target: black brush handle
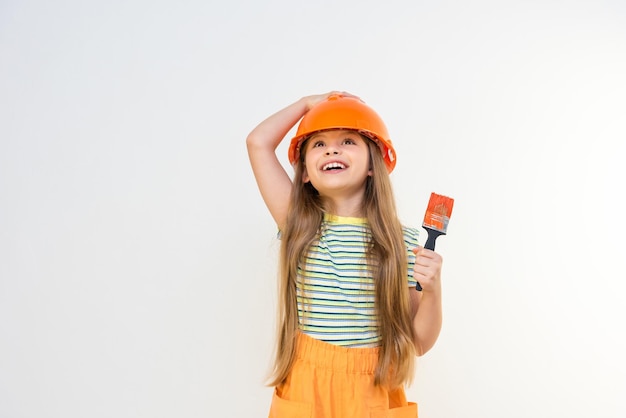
432	237
430	245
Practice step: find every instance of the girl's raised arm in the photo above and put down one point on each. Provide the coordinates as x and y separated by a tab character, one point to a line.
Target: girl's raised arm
273	181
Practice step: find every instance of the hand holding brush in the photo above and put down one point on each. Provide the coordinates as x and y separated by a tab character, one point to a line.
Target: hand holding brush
436	220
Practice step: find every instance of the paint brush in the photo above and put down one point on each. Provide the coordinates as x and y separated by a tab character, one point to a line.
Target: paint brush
436	220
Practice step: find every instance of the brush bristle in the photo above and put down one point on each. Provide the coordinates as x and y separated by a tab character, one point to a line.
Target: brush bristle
438	212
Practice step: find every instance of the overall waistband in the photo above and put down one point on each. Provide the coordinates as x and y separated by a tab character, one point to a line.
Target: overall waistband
334	357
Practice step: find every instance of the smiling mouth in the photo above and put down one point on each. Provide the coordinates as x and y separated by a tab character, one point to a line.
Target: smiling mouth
333	166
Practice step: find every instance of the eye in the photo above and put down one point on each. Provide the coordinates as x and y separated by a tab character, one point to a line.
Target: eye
349	141
318	144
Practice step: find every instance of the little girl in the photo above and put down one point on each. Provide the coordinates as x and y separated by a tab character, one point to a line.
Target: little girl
350	319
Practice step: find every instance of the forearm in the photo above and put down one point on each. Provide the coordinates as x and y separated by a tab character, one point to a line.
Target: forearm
268	134
427	321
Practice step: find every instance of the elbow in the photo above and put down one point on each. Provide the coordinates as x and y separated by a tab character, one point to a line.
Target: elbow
419	352
251	141
425	342
257	143
421	349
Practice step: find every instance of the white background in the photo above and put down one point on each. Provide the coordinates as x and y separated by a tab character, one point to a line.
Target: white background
138	262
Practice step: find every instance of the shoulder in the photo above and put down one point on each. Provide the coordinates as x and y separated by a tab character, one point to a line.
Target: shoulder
411	236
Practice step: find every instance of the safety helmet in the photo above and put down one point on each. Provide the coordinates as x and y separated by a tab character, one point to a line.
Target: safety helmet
344	112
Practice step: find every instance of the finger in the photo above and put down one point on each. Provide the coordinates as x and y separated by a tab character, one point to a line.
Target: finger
430	255
347	94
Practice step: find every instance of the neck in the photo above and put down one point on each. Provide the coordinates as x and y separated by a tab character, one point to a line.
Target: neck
348	207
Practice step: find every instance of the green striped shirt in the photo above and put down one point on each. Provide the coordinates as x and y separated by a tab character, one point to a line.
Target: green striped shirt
335	287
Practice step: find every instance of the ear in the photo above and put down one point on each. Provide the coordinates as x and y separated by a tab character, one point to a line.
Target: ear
305	175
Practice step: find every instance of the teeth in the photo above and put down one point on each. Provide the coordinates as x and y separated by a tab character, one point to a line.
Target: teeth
333	165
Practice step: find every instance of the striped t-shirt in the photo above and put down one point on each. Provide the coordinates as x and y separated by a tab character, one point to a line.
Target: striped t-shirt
335	288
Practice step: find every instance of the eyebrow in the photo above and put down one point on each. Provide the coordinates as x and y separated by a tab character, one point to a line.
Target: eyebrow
346	132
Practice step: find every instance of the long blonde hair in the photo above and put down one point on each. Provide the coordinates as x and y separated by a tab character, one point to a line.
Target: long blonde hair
387	249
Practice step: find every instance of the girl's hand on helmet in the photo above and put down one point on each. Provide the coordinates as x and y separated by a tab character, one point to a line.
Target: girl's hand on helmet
317	98
427	269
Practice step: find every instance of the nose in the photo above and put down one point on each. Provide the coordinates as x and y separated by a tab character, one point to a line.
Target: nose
331	150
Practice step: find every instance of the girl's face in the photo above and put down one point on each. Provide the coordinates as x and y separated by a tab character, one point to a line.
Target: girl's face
337	162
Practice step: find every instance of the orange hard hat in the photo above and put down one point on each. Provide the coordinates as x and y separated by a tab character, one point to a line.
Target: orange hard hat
344	112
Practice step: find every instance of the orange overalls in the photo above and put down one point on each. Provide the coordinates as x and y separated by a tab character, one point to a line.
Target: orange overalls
330	381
